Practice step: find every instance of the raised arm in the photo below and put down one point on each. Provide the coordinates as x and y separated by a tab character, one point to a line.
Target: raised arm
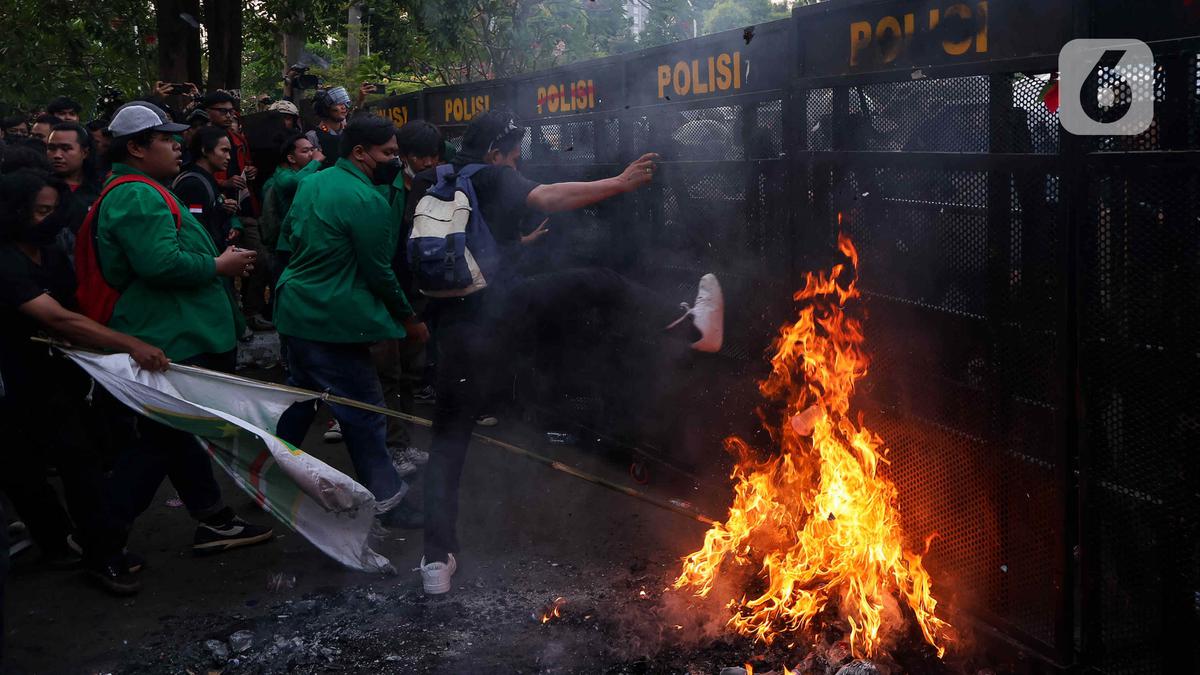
556	197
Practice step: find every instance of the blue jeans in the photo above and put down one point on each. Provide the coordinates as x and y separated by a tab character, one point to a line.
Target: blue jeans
343	370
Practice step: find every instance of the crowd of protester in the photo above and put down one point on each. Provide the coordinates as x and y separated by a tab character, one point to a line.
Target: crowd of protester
206	248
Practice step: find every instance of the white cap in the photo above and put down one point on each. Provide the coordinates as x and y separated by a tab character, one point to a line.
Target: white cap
285	108
137	116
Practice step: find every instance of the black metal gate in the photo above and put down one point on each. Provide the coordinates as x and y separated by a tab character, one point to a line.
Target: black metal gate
1032	295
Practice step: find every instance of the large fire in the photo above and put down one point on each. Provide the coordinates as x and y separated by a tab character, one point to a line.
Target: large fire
817	517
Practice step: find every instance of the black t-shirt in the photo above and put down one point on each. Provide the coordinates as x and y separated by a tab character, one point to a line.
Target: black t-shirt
501	191
22	280
198	189
73	206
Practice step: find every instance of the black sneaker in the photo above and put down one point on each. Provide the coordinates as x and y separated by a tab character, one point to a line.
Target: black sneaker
425	394
61	561
217	537
403	517
113	578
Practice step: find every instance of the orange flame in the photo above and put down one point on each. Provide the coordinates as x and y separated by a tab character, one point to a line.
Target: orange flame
818	515
555	610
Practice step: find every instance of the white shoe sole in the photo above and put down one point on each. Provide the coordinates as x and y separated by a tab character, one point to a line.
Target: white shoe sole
438	587
712	334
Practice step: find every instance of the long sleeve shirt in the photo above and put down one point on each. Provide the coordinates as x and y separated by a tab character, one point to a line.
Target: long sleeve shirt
171	296
339	285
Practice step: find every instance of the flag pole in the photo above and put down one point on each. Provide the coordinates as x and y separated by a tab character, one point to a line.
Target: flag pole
666	504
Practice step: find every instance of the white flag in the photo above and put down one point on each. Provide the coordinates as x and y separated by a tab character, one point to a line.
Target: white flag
235	420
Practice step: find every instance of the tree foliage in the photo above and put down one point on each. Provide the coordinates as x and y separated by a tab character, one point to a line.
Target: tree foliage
88	47
63	47
727	14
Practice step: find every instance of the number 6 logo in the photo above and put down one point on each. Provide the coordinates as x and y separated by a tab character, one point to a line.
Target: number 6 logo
1106	87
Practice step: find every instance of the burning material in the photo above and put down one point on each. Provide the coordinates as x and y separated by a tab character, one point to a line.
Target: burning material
553	610
815	520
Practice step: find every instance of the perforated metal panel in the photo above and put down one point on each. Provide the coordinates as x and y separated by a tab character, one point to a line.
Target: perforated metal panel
1141	386
1030	297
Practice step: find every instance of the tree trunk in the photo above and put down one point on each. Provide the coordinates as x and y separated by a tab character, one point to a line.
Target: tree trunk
223	22
353	35
178	41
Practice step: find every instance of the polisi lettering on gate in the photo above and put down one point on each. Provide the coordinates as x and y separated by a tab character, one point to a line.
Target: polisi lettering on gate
465	108
696	77
564	98
958	29
397	114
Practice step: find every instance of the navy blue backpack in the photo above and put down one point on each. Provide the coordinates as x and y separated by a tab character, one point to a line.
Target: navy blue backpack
451	251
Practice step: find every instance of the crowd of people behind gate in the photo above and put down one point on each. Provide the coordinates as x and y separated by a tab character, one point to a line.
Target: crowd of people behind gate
153	233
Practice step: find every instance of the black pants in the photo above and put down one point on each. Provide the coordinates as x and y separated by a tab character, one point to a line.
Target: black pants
3	576
162	452
51	414
480	332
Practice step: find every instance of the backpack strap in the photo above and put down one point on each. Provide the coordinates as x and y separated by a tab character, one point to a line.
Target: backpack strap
212	196
471	169
134	178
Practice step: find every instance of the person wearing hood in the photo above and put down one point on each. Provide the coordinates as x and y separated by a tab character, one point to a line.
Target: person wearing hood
339	295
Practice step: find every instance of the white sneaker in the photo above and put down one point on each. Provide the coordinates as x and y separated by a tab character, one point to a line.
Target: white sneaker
486	420
708	314
334	433
435	577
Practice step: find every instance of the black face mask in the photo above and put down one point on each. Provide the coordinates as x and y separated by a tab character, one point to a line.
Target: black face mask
46	232
385	172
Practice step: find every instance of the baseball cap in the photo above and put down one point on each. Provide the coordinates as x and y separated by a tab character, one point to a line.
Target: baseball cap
138	116
284	108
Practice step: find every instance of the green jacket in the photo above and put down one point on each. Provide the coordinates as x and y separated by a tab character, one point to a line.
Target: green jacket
282	188
339	285
171	295
397	196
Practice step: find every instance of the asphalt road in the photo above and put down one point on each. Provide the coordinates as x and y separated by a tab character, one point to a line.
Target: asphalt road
529	535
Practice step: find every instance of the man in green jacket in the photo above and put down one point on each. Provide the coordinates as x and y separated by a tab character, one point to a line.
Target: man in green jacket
169	275
299	158
339	295
420	145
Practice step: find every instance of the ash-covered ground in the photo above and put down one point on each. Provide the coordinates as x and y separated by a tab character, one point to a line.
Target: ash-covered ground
529	535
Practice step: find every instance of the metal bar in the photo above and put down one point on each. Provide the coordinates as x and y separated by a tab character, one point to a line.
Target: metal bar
669	505
1031	64
977	161
1081	569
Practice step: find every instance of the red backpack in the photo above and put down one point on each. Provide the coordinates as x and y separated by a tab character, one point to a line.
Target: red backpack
95	296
